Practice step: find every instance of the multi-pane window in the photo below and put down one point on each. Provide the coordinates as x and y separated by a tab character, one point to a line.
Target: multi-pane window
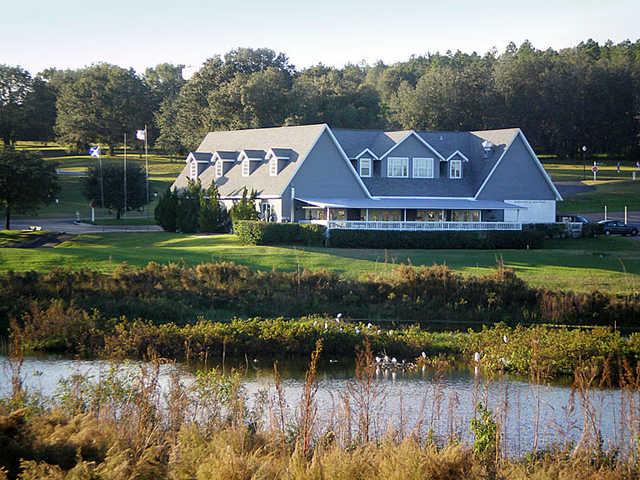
193	170
365	167
273	167
246	168
398	167
455	169
423	167
219	168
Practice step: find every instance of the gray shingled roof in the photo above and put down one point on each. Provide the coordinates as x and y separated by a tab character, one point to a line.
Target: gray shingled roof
255	154
201	156
295	143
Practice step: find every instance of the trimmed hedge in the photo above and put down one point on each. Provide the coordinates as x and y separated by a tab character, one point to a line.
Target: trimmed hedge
251	232
527	238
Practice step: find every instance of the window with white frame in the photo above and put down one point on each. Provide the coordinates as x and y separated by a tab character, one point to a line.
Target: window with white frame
365	167
273	166
398	167
246	168
193	170
219	168
422	167
455	169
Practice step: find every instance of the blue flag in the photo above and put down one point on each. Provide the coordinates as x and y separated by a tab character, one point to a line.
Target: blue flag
95	151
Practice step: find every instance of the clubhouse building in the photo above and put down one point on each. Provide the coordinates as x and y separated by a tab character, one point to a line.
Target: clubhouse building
372	179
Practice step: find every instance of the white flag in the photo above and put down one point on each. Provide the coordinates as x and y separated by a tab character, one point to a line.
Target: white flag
141	134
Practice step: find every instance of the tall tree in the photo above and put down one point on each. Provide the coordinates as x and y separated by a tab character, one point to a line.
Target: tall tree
113	186
26	182
102	103
16	85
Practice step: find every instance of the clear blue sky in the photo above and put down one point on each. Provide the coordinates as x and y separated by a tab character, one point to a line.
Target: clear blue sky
139	33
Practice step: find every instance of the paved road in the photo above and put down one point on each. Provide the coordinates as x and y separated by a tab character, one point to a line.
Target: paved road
68	226
571	188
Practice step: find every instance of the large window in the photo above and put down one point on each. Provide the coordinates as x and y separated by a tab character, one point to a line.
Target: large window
422	167
431	216
465	215
365	167
376	215
246	168
398	167
455	169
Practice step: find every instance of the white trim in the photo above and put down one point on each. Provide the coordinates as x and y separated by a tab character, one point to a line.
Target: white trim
242	156
389	167
366	150
193	170
417	197
191	157
216	157
428	159
535	157
369	166
271	153
273	162
457	152
451	170
420	139
259	197
219	169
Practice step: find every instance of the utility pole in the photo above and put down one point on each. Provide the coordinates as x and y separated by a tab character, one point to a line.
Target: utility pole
146	167
584	162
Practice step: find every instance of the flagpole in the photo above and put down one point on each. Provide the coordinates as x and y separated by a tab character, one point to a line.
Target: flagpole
125	175
101	180
146	167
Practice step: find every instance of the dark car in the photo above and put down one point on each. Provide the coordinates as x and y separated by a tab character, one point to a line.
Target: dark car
618	227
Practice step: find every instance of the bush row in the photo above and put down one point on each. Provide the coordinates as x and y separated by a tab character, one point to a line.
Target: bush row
180	293
529	238
251	232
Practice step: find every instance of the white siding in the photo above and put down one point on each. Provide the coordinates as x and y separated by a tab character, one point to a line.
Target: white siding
535	211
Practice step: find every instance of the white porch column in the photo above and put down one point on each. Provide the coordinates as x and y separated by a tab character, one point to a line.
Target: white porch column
328	214
293	201
366	214
405	214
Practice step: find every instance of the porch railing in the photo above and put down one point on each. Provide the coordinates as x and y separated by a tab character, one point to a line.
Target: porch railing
421	226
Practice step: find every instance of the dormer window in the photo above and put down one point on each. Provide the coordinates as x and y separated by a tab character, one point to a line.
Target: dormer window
273	167
365	167
455	169
422	167
193	170
219	168
246	167
398	167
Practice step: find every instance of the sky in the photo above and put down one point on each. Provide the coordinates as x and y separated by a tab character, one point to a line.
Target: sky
141	33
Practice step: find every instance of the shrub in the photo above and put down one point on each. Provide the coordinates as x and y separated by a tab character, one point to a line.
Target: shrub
435	240
263	233
167	210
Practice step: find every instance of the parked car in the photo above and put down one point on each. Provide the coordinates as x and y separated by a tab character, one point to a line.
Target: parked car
618	227
566	218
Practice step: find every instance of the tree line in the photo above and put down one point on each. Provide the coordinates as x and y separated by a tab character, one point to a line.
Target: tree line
562	99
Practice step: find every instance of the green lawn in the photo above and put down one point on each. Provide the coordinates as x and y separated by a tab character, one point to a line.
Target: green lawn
9	238
162	172
611	264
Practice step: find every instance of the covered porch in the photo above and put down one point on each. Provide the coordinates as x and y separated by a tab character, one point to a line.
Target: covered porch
420	214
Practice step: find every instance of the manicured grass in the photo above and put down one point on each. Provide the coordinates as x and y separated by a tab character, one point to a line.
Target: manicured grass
611	264
162	172
615	195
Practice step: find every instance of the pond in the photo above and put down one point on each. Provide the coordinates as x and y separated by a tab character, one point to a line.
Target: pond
439	401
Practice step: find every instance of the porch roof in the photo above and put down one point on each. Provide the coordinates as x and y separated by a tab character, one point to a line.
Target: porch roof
410	203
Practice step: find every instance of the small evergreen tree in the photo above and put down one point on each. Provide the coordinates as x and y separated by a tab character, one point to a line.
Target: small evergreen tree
213	216
245	209
188	208
166	212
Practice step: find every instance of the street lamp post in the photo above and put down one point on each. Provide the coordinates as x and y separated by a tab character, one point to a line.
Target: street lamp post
584	162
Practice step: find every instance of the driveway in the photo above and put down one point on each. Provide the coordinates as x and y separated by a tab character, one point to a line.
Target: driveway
68	226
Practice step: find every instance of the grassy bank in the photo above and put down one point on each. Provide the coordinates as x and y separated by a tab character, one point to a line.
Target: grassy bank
607	264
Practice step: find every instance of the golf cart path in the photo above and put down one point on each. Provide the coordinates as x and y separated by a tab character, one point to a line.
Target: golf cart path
67	225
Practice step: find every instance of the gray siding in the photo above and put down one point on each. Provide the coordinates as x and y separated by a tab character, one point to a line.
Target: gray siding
323	174
517	177
412	147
